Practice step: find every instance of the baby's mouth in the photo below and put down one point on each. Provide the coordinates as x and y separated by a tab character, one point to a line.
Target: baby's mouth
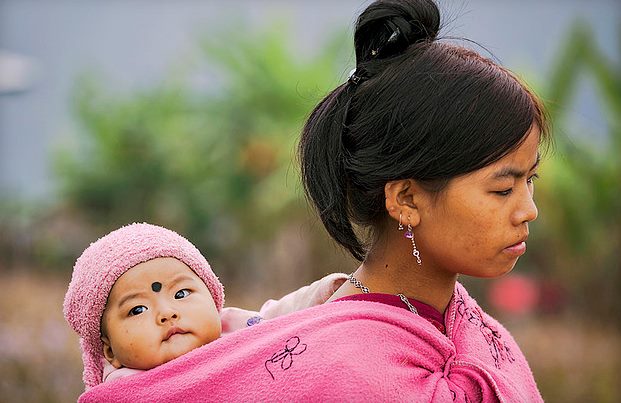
173	331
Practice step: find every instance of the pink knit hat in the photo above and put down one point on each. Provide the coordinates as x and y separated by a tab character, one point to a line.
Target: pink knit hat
103	262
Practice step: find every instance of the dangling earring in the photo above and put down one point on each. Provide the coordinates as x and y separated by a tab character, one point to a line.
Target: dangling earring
415	252
400	227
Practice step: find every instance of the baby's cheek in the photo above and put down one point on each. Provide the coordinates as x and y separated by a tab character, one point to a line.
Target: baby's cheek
133	355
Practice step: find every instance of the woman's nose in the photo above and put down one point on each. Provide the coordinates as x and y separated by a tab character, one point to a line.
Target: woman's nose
527	210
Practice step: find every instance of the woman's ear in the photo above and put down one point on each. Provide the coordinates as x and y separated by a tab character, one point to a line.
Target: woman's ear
108	353
402	201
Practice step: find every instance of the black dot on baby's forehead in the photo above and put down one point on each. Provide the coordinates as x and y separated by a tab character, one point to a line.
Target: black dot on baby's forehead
156	286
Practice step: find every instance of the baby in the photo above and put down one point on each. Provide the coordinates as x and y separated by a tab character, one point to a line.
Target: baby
139	297
143	295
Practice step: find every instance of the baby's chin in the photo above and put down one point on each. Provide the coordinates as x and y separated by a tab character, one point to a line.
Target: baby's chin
171	353
176	353
150	364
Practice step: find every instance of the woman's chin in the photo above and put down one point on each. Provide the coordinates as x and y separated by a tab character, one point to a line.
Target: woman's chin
492	272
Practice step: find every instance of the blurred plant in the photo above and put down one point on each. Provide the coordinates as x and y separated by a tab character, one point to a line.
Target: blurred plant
212	163
15	238
579	236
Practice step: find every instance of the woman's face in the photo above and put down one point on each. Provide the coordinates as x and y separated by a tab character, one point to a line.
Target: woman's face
479	224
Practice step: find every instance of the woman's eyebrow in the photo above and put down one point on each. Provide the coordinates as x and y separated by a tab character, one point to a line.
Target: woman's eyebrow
514	172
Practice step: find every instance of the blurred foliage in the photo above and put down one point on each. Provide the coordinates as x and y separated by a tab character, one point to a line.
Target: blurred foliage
578	235
15	240
213	163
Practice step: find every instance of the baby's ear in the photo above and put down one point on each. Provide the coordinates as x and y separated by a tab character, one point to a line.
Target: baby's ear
109	353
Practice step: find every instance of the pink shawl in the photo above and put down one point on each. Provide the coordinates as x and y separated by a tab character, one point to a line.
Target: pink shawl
344	351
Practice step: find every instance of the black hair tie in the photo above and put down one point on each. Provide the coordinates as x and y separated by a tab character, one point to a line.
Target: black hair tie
358	75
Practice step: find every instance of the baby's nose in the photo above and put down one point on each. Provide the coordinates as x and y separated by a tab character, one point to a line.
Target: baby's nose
167	315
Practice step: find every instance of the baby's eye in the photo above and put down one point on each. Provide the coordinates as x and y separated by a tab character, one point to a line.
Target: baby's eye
137	310
182	293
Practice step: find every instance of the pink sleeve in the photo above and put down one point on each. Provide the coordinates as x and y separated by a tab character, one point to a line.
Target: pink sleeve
110	373
314	294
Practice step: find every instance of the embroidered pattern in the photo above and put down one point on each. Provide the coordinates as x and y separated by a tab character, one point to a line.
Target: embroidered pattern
254	320
285	357
499	350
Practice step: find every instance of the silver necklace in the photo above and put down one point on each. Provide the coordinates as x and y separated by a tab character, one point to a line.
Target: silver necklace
358	284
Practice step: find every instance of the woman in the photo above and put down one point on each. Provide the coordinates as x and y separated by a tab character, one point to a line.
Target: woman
421	166
429	136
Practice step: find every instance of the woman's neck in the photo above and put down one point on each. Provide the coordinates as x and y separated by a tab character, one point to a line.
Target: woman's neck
392	273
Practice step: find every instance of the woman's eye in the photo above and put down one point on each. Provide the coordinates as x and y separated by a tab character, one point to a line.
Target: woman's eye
504	192
182	293
532	178
137	310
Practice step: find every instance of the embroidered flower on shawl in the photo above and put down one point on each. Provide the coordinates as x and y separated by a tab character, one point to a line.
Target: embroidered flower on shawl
499	350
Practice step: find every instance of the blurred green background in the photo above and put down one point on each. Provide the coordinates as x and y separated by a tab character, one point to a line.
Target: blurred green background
206	147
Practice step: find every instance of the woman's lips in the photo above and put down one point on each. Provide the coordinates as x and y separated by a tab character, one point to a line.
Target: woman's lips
517	249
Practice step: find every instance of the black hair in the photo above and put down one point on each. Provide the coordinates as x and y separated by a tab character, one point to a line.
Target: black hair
415	107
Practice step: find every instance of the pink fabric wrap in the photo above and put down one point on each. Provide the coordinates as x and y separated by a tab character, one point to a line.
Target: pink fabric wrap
103	262
234	319
344	351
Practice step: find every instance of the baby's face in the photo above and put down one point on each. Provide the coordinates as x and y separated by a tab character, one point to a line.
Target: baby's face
156	311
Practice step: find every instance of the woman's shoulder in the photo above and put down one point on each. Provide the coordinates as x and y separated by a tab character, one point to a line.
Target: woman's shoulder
349	318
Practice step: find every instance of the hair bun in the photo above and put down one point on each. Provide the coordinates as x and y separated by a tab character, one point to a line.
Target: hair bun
387	27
